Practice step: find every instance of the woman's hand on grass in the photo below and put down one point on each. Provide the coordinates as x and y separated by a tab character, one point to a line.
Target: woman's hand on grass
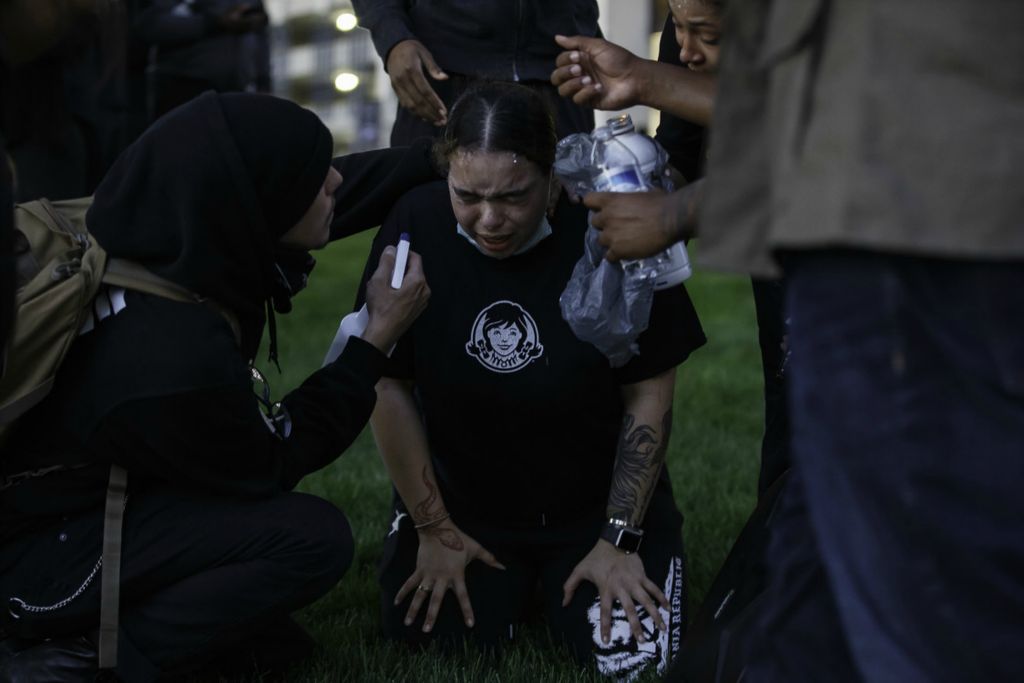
441	563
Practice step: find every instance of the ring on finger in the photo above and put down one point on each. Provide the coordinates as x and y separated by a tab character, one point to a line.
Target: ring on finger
424	588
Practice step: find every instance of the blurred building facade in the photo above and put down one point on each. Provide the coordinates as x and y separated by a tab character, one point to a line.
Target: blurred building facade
323	60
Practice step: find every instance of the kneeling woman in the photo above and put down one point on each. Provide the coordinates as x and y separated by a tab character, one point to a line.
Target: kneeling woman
511	442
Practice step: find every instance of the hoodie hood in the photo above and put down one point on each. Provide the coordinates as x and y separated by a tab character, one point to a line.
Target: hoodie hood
202	197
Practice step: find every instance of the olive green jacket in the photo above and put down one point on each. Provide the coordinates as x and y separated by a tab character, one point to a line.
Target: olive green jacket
886	125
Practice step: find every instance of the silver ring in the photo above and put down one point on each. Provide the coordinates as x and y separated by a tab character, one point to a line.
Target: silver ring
423	588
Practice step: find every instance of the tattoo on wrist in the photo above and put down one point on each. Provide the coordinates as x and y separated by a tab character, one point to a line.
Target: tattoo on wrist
448	537
638	463
429	514
429	510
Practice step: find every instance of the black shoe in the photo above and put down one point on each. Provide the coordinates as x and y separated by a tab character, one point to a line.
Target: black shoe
12	645
61	660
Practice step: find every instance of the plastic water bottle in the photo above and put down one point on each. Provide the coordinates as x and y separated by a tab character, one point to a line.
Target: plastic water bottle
627	161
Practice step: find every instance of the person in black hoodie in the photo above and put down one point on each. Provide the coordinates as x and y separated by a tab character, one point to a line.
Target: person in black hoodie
221	197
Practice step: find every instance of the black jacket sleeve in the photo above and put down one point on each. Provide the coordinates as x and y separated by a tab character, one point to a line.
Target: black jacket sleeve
387	21
215	439
373	181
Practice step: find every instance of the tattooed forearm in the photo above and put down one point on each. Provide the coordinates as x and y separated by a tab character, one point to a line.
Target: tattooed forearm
641	453
429	509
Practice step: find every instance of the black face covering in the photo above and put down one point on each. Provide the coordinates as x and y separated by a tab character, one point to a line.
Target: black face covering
203	197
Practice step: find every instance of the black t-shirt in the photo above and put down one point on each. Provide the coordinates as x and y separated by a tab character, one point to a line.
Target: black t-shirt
522	418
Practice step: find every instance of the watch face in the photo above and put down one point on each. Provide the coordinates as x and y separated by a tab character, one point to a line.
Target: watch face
628	540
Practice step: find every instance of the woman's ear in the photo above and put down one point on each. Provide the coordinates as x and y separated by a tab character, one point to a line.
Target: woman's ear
554	192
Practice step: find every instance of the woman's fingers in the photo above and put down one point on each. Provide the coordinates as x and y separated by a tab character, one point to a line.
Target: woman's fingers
643	598
422	591
631	616
462	595
409	585
606	616
655	592
436	596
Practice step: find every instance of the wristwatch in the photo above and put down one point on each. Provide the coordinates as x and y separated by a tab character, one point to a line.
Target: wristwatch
621	535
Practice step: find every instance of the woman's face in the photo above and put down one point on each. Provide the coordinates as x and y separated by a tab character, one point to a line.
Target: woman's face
499	198
698	31
313	230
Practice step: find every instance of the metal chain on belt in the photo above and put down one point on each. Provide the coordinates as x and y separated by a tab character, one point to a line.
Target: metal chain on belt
22	607
16	606
15	479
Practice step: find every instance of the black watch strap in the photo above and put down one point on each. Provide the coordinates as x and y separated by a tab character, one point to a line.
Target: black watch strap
624	537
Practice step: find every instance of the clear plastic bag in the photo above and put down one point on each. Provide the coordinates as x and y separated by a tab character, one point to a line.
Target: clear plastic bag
605	306
609	304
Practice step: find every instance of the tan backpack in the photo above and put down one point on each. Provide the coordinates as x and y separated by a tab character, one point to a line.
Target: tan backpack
59	269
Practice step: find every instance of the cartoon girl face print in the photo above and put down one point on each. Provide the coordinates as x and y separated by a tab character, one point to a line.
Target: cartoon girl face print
504	338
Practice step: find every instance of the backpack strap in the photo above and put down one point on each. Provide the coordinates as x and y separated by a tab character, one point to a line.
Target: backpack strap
131	275
110	579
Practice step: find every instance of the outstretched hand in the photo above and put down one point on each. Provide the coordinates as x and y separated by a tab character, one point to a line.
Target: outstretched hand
441	563
618	577
598	74
406	63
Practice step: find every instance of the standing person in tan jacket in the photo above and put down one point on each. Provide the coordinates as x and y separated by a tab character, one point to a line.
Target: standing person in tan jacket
870	150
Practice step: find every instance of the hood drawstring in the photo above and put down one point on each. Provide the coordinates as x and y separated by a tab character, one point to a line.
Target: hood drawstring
272	331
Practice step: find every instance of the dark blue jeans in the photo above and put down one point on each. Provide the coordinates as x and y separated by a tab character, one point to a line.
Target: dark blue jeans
899	554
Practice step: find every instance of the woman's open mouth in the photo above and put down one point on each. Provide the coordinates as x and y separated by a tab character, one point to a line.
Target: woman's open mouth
494	242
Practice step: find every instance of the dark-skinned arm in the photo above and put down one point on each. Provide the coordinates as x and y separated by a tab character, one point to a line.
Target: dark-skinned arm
600	74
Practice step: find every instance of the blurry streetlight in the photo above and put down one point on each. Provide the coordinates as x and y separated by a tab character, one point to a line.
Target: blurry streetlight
346	82
346	21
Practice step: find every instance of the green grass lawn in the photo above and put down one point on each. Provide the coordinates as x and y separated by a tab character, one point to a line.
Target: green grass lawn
713	462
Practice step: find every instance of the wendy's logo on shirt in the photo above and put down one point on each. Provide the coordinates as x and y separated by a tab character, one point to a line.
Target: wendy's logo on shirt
504	338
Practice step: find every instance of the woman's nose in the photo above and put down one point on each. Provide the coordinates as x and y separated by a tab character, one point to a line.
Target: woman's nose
490	217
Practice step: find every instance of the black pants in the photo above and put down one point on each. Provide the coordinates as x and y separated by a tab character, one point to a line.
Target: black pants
569	117
200	577
538	561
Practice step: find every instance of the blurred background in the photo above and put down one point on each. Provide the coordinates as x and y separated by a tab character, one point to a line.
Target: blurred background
322	59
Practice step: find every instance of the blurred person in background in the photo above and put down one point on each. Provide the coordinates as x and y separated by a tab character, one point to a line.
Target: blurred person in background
432	49
39	40
64	109
199	45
